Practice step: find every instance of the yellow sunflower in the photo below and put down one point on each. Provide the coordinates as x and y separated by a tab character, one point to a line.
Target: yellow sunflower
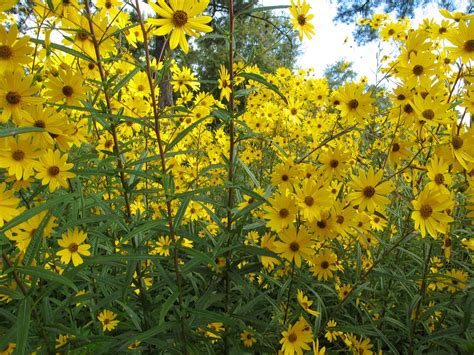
54	170
73	247
13	52
300	18
181	18
66	87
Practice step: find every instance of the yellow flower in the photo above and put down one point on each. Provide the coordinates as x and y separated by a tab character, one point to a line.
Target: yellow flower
54	171
294	245
370	193
306	303
324	264
16	95
268	242
8	204
10	348
353	103
181	18
73	247
224	83
281	213
456	280
182	78
313	198
13	52
429	214
463	39
107	318
247	337
296	338
300	19
67	88
19	157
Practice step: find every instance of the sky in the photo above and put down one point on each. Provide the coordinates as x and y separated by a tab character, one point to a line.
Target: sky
334	41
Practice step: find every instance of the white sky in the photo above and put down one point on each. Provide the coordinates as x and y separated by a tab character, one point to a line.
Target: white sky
328	46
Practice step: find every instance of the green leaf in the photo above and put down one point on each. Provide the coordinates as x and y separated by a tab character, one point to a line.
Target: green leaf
6	132
167	305
47	275
184	133
124	81
63	49
262	80
23	326
204	316
37	209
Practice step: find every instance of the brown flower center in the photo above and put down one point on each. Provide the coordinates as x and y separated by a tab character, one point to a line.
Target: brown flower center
53	170
442	30
333	163
40	124
180	18
82	36
294	247
418	70
285	177
106	321
91	66
294	111
457	142
301	20
407	108
401	97
428	114
284	213
68	91
340	219
108	4
13	98
108	144
426	211
395	147
439	179
469	45
353	104
321	224
18	155
5	52
73	247
292	337
391	32
309	201
369	191
324	264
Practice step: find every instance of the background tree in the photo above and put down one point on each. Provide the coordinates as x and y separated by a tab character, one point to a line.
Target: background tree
349	11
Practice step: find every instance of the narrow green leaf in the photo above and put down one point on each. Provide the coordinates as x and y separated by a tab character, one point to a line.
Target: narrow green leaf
262	80
184	133
63	49
167	305
6	132
124	81
37	209
47	275
23	326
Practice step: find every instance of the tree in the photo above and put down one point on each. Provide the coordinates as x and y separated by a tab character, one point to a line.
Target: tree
339	73
260	38
349	11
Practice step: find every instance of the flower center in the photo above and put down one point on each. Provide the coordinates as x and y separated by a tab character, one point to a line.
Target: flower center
391	32
418	70
180	18
334	163
469	45
353	104
457	142
309	201
108	144
68	91
401	97
324	264
18	155
82	36
106	321
5	52
292	337
407	108
284	213
442	30
428	114
285	177
301	20
13	98
439	179
321	224
294	246
426	211
108	4
340	219
53	170
40	124
395	147
73	247
91	66
369	191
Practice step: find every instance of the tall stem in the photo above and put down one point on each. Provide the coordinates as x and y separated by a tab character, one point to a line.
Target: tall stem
169	210
230	194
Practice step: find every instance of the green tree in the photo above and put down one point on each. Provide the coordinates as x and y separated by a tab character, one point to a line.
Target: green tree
348	12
